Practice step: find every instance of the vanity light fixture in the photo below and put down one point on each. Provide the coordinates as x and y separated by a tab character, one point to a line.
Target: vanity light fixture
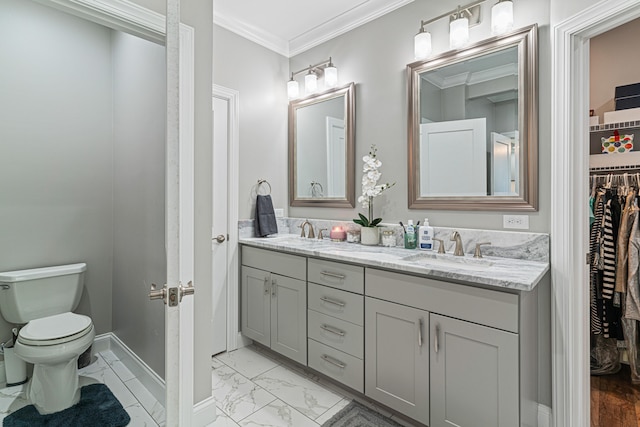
459	30
460	20
502	17
324	68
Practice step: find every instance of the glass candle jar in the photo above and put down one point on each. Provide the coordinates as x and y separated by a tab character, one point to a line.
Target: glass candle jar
353	236
388	238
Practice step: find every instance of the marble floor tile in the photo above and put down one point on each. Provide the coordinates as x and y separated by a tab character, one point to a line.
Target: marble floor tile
139	417
12	399
105	375
223	420
216	363
247	361
236	395
308	397
332	411
118	367
147	400
277	414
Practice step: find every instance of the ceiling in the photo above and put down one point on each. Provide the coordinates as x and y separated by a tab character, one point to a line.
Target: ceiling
291	27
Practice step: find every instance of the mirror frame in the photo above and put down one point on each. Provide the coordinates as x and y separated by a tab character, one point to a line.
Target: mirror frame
527	199
348	91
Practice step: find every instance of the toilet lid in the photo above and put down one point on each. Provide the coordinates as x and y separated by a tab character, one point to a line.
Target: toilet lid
56	327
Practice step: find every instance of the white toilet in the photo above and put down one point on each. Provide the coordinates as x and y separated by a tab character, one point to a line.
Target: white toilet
52	337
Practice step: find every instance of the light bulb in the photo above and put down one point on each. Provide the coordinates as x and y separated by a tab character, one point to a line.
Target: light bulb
422	44
293	90
310	82
458	33
502	17
331	76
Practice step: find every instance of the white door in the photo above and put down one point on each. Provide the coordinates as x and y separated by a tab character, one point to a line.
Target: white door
179	233
500	164
220	231
466	140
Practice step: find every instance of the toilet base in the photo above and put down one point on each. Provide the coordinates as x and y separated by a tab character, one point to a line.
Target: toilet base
54	387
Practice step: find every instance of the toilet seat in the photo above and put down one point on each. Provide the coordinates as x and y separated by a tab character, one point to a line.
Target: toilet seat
56	329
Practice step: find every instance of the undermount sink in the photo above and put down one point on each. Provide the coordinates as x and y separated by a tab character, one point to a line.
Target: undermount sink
450	261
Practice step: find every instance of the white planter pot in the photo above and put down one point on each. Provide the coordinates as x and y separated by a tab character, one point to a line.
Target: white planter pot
370	236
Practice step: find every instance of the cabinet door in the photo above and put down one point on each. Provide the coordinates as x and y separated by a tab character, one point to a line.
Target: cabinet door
256	305
474	375
397	357
289	317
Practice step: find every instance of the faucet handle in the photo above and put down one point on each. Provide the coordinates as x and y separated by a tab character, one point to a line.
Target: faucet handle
440	246
478	253
320	237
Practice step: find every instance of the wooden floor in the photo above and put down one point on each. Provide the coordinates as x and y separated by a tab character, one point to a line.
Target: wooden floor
615	401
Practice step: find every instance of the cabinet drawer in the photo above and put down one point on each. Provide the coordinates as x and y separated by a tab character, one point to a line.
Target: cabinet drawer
275	262
341	335
477	305
336	303
337	275
340	366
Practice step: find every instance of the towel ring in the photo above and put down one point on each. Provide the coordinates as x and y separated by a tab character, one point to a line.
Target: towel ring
264	181
314	189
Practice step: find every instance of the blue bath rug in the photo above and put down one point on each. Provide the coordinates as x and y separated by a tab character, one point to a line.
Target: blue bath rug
97	407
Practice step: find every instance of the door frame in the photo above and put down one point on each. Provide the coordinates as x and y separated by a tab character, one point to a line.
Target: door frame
569	214
234	338
131	18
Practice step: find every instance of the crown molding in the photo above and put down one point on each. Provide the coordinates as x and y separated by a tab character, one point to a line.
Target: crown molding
250	32
353	18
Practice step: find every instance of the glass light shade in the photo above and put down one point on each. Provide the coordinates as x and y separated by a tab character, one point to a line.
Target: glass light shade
293	90
310	83
331	76
502	17
422	45
458	33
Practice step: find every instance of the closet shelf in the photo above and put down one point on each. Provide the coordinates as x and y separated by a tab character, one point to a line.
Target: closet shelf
614	162
615	126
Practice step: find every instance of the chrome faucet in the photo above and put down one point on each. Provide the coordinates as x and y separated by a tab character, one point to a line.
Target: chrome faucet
459	250
311	234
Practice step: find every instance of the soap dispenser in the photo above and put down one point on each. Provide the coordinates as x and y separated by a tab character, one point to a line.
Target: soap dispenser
425	236
410	236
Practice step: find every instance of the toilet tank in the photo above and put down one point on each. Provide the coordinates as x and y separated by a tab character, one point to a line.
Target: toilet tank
39	292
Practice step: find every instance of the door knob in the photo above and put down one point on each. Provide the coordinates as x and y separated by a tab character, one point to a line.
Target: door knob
156	293
220	238
187	290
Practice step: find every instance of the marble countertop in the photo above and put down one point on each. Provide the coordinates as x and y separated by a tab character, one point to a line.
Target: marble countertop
506	273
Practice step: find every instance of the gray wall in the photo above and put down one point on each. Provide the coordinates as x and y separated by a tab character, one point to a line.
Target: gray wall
55	217
613	62
375	56
139	258
56	157
260	75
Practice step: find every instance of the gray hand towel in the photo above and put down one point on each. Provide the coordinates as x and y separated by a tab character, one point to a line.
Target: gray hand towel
265	216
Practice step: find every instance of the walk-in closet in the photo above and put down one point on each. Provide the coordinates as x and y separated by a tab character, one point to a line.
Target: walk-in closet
614	219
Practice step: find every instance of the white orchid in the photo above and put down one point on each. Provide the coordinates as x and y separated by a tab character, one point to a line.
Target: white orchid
370	187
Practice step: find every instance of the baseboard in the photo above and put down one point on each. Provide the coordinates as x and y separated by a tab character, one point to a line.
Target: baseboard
147	377
544	416
204	413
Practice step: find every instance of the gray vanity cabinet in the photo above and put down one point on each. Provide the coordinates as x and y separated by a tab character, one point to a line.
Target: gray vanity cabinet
474	374
397	357
274	301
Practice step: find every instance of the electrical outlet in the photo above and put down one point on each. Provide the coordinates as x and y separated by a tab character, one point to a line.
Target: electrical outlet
279	213
516	221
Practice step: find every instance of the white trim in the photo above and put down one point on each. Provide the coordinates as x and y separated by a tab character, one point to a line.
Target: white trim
544	416
334	27
143	373
233	173
120	15
204	413
569	216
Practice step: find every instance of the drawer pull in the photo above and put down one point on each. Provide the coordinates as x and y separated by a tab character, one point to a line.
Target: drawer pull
334	275
333	361
332	330
330	301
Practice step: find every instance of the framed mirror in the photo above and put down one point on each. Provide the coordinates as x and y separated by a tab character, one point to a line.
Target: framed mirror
473	126
322	149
